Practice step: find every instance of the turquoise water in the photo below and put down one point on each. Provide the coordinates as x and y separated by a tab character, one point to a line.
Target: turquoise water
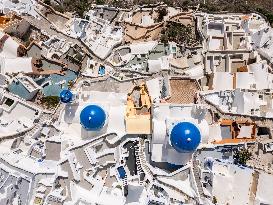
20	90
51	89
55	89
101	70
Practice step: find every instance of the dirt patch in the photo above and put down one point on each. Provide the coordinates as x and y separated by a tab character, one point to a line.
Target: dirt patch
137	34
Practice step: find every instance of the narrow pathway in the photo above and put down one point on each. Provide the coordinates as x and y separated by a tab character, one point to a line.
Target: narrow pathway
197	176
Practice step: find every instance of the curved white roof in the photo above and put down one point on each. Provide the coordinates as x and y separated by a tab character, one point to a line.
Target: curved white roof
195	72
264	189
15	65
235	179
10	47
142	48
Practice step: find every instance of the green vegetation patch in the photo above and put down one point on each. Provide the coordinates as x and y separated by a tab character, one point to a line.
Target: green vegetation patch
77	6
161	13
50	101
179	33
267	14
242	156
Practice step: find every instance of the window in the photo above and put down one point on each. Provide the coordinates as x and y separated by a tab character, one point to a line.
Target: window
9	102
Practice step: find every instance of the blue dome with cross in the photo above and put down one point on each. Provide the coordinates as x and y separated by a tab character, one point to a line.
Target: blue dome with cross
66	96
185	137
92	117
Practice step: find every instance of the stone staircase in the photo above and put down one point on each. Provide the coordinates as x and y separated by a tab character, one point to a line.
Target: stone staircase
143	161
138	163
57	112
125	181
140	171
197	176
43	119
148	173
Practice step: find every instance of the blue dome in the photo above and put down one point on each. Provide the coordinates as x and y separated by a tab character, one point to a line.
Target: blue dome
185	137
66	96
93	117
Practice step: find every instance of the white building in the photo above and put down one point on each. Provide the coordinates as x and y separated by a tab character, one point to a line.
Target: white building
110	108
171	122
237	183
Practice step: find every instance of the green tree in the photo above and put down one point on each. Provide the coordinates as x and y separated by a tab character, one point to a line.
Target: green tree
164	39
47	2
161	13
100	2
267	14
180	33
79	7
50	101
214	200
241	156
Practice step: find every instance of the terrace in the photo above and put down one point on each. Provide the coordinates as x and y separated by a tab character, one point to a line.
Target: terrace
56	18
13	116
137	116
53	76
24	87
182	91
224	33
236	180
22	7
248	103
239	131
148	57
106	13
96	33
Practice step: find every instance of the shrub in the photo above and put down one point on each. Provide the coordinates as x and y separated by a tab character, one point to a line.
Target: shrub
50	101
79	7
179	33
164	39
100	2
214	200
47	2
242	156
161	13
267	14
